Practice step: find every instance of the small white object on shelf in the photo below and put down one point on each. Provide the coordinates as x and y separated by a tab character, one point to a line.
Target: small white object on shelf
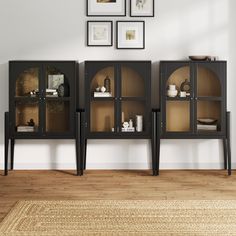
102	95
207	127
25	128
129	129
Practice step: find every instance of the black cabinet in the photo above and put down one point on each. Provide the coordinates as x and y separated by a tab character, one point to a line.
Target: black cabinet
118	100
193	102
42	102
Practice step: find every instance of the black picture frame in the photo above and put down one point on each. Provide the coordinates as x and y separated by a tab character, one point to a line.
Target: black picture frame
117	34
100	45
105	15
153	10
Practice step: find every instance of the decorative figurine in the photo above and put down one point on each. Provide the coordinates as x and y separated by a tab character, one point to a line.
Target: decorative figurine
31	122
103	89
107	84
186	86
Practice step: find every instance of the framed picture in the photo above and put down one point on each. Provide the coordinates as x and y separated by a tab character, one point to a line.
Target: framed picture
142	8
55	80
130	34
106	7
99	33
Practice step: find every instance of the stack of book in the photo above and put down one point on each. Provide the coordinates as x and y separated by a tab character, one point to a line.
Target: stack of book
204	127
102	94
129	129
51	93
25	128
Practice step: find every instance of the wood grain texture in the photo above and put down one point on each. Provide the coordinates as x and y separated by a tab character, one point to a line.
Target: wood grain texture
114	185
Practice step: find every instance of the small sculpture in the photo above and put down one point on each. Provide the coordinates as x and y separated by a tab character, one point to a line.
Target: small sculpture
107	84
103	89
31	122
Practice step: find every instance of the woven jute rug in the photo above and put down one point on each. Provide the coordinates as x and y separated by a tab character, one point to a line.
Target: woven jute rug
101	217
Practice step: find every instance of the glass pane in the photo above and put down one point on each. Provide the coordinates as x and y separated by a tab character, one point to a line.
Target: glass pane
27	83
132	83
27	116
209	116
179	81
178	116
57	116
57	85
208	83
102	116
103	84
133	116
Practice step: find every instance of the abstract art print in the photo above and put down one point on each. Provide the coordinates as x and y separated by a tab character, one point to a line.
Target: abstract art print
106	7
142	8
130	34
99	33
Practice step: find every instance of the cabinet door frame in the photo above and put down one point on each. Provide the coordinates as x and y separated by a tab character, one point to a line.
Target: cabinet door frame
68	68
15	68
219	68
166	69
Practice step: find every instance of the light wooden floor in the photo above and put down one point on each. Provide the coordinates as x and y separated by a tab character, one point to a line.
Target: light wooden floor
59	185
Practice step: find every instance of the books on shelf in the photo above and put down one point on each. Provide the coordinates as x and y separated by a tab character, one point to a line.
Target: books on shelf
207	127
25	128
128	129
102	94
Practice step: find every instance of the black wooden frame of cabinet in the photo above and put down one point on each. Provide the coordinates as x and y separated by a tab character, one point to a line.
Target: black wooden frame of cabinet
91	68
220	67
70	69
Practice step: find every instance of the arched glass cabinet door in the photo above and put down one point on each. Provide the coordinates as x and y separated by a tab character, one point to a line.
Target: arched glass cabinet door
58	97
210	86
177	96
25	98
134	100
102	92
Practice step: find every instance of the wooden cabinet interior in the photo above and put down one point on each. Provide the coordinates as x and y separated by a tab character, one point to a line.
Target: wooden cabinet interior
26	82
57	116
132	84
178	116
208	83
102	116
98	79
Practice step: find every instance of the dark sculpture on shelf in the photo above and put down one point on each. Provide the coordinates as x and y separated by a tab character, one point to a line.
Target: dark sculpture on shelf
107	84
31	122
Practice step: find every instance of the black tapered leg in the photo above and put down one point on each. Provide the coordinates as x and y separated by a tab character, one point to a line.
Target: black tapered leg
85	153
158	141
225	153
154	143
6	127
228	142
12	153
77	143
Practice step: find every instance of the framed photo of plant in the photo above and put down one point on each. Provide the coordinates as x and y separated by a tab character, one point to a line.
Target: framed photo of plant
99	33
142	8
130	34
106	7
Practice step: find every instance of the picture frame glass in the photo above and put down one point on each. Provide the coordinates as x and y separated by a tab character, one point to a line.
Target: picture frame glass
130	35
99	33
106	7
142	8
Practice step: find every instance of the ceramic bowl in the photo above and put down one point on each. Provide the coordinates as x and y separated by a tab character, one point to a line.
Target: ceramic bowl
172	93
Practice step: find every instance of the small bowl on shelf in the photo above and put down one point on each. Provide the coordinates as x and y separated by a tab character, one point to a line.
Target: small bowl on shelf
207	121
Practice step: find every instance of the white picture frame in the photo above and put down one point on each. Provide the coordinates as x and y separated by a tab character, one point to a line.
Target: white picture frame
142	8
130	35
106	8
99	33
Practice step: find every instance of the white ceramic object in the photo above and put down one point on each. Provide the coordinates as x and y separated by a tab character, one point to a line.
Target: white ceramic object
172	87
131	123
183	94
103	89
139	123
172	93
126	125
98	89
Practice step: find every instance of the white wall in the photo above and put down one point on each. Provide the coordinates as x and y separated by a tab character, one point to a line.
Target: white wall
56	29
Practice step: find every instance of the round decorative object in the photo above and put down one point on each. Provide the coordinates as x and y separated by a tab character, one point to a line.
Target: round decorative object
186	86
107	84
63	90
199	58
103	89
207	121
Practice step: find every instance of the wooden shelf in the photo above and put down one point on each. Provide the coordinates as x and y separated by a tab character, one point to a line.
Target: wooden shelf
209	98
178	99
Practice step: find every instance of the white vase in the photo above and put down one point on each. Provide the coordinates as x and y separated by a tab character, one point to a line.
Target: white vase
139	123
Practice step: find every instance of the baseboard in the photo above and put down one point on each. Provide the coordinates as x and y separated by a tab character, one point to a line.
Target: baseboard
119	166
